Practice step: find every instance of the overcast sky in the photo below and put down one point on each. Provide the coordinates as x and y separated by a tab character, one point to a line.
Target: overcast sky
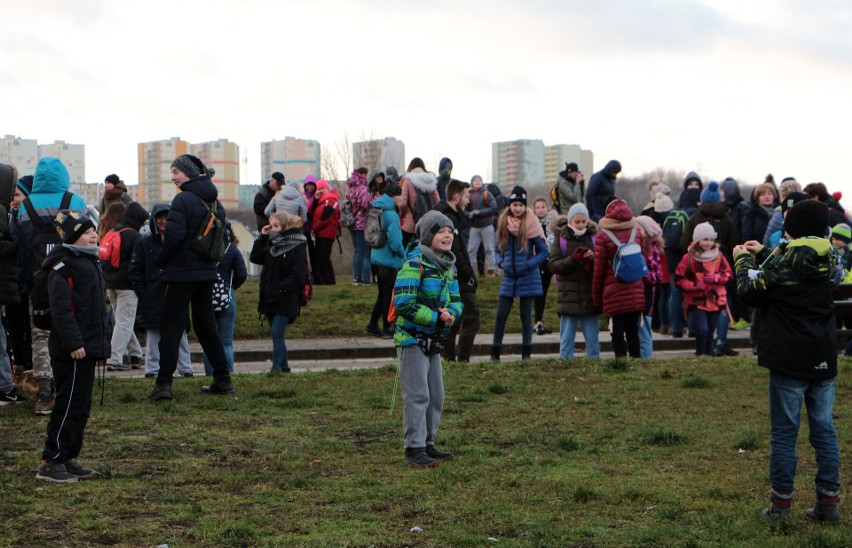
724	87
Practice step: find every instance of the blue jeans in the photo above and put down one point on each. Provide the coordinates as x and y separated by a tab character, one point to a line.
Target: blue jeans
675	307
225	325
702	324
361	258
278	324
785	406
646	338
722	328
568	333
504	306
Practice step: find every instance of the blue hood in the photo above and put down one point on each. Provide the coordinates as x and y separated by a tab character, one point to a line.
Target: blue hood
383	202
50	177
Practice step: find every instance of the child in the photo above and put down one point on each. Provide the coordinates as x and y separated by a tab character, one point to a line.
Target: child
571	259
521	249
79	339
794	291
702	275
545	216
427	303
652	249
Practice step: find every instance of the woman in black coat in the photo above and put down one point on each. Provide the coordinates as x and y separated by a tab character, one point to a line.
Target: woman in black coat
281	250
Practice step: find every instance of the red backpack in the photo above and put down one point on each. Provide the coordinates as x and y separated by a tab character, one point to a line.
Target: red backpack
110	248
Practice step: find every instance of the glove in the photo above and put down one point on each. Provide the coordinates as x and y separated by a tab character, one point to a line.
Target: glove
701	286
710	278
579	254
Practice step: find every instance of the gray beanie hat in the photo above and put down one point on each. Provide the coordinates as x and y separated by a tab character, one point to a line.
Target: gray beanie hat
577	209
429	224
190	166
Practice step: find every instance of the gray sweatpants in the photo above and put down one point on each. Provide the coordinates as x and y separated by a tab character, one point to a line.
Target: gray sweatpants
422	385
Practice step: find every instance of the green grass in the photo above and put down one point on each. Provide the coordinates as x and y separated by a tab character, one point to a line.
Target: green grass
548	453
343	310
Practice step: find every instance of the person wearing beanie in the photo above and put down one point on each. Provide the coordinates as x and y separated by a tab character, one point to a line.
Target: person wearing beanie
35	237
545	217
794	293
711	193
288	199
9	275
482	210
114	191
621	301
702	275
521	249
189	277
601	186
842	233
358	201
264	195
692	180
309	188
324	214
79	338
569	188
655	188
426	304
419	195
571	258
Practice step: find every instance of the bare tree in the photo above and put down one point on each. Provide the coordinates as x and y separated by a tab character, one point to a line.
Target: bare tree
328	166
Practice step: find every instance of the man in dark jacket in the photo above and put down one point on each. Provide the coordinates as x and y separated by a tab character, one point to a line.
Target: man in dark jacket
458	195
264	196
9	273
601	186
120	292
445	173
189	278
569	188
794	294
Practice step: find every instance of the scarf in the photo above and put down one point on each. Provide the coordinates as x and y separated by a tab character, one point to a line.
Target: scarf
444	263
533	227
578	233
705	256
280	242
113	193
82	250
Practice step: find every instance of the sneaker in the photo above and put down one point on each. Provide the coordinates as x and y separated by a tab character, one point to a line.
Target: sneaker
374	330
436	453
10	398
136	362
740	325
388	333
418	458
161	391
664	329
539	329
188	375
76	469
219	387
117	367
728	351
29	383
45	402
54	472
150	375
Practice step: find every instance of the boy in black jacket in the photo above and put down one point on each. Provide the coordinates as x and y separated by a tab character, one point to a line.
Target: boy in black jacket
79	338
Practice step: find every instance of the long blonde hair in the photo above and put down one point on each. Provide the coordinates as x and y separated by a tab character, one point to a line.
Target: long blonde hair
503	230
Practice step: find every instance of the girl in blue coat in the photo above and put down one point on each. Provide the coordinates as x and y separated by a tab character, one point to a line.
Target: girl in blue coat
521	249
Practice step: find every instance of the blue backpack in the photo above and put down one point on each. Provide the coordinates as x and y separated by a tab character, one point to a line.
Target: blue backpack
628	265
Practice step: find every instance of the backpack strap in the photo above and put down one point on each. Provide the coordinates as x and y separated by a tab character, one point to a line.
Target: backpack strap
615	240
28	205
66	200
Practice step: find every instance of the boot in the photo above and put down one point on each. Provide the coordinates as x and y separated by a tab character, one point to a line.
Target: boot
436	453
223	385
17	377
825	510
779	509
417	457
526	351
495	353
162	391
29	383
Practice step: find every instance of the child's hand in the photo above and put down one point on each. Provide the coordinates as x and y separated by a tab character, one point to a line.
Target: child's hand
445	317
265	229
78	354
710	278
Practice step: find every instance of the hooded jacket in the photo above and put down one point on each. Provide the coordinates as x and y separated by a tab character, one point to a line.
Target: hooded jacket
693	176
608	293
9	271
413	182
128	230
359	199
281	277
392	254
569	192
601	186
698	293
795	294
737	207
325	214
574	286
178	260
288	200
715	213
485	205
77	305
144	274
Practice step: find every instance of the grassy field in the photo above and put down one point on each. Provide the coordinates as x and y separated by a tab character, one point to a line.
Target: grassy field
549	453
343	310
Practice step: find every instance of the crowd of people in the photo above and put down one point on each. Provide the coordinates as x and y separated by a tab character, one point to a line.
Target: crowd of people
711	261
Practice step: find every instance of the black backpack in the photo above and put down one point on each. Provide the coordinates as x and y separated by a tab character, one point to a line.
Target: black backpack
422	204
45	235
673	226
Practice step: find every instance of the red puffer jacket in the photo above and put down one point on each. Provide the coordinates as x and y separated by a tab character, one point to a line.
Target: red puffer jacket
698	292
613	296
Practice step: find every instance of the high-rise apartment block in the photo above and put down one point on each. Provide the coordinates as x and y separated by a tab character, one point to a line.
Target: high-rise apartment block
72	156
529	163
379	154
21	153
155	176
224	157
556	156
295	158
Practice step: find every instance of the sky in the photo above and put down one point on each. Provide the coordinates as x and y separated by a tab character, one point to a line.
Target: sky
735	88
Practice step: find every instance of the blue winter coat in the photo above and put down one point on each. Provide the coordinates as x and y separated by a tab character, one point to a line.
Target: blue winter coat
177	259
601	186
232	267
521	277
392	255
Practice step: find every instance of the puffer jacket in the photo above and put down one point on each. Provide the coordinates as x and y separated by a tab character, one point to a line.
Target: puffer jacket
521	275
128	230
77	304
289	200
359	199
612	295
392	254
601	186
413	182
574	274
281	277
9	271
178	260
698	293
325	214
144	274
715	213
421	288
794	292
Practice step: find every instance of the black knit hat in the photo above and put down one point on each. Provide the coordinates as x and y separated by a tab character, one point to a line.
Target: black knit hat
190	166
807	218
792	199
112	178
518	195
571	167
278	176
70	225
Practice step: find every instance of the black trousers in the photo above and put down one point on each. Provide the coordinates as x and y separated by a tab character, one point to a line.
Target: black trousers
466	328
312	255
324	268
626	325
176	304
387	279
539	303
20	334
74	381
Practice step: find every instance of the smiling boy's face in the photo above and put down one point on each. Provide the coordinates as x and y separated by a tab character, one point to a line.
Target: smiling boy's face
443	240
88	239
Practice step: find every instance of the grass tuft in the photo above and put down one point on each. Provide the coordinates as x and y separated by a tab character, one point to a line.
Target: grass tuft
498	389
569	444
585	494
749	441
695	381
664	438
616	365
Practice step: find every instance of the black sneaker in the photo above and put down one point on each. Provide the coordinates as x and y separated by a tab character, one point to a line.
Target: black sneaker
117	367
373	329
436	453
75	468
219	387
10	398
161	391
150	375
54	472
728	351
418	458
188	375
136	362
539	329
